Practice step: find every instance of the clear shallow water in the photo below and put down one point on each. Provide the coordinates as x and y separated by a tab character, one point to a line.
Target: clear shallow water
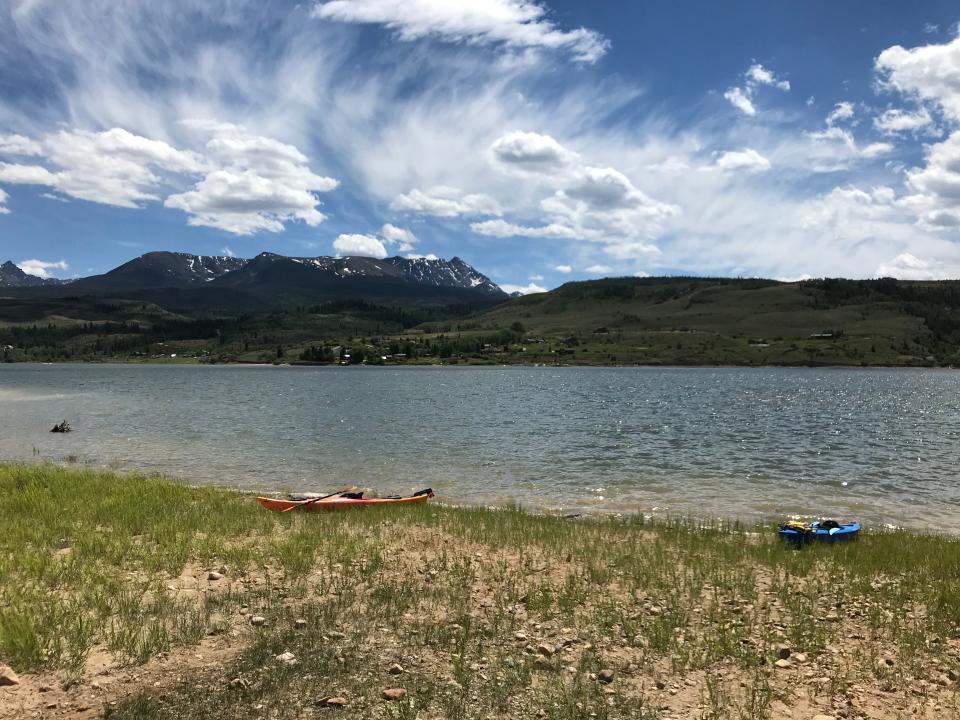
877	445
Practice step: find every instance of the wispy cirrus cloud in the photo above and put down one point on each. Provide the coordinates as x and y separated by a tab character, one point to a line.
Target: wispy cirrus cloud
515	23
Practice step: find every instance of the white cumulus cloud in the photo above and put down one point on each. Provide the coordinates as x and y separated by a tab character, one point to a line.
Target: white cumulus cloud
3	199
19	145
928	72
401	236
565	269
247	182
517	23
841	111
906	266
256	184
896	120
740	99
532	152
757	74
365	245
522	289
114	167
502	229
746	160
937	184
591	203
443	201
599	269
41	268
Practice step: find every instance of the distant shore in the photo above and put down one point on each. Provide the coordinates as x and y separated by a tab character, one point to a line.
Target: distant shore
156	599
484	364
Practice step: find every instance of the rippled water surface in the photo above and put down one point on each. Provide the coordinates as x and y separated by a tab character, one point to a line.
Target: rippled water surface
877	445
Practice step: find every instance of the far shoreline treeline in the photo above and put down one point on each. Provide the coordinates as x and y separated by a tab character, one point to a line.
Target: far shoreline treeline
668	321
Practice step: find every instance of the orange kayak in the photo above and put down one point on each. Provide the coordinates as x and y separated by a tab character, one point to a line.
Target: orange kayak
338	502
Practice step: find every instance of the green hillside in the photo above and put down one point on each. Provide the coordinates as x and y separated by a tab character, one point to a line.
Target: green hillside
724	321
617	321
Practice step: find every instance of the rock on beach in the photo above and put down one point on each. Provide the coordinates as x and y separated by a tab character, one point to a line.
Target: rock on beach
8	676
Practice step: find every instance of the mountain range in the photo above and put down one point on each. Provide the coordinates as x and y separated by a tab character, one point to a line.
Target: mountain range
206	280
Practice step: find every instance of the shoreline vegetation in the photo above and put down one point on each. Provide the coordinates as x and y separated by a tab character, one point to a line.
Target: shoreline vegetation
126	596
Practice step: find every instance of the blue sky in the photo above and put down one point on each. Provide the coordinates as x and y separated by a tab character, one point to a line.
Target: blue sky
540	141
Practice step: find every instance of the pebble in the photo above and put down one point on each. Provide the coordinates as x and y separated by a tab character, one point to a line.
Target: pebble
287	658
300	623
8	676
823	717
395	669
800	657
335	701
336	635
214	575
394	694
606	676
545	649
520	637
783	664
258	620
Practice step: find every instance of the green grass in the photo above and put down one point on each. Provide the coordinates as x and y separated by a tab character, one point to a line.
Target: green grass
87	560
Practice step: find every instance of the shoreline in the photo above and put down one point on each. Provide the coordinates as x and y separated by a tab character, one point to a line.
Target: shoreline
751	518
166	600
651	366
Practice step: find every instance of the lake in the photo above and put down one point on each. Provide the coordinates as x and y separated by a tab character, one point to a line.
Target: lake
875	445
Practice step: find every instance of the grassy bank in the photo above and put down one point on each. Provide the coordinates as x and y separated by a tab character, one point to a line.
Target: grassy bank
135	598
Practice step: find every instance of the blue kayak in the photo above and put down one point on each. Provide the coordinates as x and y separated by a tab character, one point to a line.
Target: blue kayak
826	531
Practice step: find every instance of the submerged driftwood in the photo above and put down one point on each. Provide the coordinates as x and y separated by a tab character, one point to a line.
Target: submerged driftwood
63	427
